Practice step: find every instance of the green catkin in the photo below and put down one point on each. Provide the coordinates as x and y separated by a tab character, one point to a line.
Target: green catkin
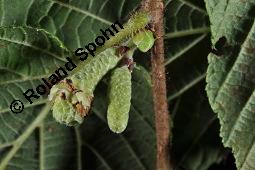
136	22
88	77
72	97
144	40
119	99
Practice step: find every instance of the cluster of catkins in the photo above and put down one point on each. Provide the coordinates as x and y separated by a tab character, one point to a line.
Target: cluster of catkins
71	98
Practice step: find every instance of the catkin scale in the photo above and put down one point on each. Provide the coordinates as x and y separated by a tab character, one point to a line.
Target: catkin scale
119	99
64	113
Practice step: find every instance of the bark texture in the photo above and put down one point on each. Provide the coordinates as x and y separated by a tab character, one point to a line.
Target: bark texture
156	8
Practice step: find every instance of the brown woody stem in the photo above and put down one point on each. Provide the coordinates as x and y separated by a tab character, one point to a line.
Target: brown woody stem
156	8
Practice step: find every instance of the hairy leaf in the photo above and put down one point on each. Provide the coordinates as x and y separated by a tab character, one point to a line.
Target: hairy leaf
45	54
76	22
186	27
25	135
196	142
230	76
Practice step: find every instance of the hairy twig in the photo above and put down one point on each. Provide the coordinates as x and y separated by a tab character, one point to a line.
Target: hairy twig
156	8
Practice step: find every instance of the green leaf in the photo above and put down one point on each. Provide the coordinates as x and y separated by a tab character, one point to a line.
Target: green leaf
186	32
35	142
44	52
76	23
25	135
196	143
185	18
230	77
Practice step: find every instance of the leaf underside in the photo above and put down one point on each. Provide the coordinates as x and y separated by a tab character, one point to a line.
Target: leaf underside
231	76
